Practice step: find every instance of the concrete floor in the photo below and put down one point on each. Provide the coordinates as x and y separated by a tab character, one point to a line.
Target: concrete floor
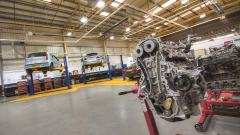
96	110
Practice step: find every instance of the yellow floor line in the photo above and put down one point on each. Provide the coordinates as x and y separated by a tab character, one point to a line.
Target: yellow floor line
115	82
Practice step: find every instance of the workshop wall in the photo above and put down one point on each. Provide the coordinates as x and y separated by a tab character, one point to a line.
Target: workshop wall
13	54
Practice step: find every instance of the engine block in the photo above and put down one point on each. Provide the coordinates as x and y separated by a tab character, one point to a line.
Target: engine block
221	68
168	78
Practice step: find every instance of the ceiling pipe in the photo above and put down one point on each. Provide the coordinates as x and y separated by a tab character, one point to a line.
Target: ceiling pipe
168	18
164	19
117	24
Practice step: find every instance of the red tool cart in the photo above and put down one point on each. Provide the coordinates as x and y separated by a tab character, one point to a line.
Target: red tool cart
48	84
22	87
36	85
224	102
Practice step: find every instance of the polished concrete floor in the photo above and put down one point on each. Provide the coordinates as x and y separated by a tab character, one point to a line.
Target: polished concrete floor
96	110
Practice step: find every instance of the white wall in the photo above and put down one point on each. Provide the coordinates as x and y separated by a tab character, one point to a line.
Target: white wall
13	55
219	41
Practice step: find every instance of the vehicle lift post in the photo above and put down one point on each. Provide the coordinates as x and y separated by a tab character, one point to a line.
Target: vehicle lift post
30	84
148	115
109	68
123	75
68	82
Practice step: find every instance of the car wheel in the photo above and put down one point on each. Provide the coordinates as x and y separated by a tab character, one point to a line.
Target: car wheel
51	66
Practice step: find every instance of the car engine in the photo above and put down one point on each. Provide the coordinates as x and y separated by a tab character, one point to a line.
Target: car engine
221	68
169	80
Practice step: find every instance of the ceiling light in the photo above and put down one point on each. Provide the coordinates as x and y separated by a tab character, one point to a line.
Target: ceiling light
120	1
203	5
69	33
111	37
168	3
104	13
196	8
135	22
185	14
156	10
233	30
84	19
115	4
46	1
184	1
202	15
175	19
153	34
100	4
166	23
128	29
148	19
222	17
157	28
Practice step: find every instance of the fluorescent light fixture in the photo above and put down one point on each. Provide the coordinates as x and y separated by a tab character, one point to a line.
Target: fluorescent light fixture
168	3
208	3
202	15
120	1
104	13
69	33
157	28
225	36
84	19
115	4
184	1
203	5
128	29
111	37
185	14
135	22
153	34
166	23
175	19
196	8
148	19
145	16
46	1
156	10
100	4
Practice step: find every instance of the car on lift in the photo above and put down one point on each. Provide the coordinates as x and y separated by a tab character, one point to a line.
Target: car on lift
132	72
93	59
43	61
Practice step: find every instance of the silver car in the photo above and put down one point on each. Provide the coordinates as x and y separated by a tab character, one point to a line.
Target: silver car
92	59
41	61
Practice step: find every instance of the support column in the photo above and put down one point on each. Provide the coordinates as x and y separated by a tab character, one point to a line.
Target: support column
123	75
30	84
67	79
1	69
109	68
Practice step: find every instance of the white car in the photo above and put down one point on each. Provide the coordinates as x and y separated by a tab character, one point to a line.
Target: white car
92	59
41	61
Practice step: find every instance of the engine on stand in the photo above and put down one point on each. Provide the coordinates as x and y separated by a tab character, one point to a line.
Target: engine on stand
221	68
169	79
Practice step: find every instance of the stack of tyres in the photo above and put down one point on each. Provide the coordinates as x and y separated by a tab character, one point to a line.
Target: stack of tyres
57	82
48	83
22	87
36	85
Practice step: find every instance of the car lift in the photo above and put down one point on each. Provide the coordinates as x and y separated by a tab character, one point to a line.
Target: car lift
68	81
109	70
148	115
